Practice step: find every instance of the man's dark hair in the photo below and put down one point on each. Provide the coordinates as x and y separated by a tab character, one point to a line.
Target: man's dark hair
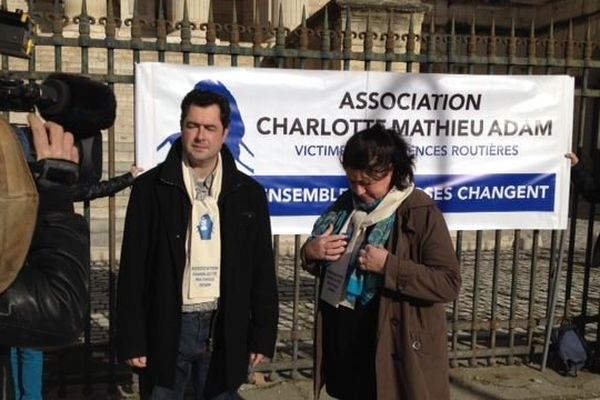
205	98
375	151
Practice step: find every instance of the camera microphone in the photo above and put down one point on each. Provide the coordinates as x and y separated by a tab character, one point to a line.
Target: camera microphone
81	105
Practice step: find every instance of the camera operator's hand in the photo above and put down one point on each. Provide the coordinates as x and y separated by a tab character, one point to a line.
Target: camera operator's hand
51	141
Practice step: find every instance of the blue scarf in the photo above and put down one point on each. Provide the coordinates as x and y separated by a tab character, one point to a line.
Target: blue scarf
361	285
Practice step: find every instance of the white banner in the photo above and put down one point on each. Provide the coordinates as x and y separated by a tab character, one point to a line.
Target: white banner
490	148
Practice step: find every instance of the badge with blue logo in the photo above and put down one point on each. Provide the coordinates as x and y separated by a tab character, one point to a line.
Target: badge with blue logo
205	227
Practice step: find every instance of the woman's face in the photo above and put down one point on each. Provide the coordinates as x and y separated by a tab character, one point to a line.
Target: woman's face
369	189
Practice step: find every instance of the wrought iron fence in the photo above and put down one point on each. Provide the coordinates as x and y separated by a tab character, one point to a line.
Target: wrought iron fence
501	313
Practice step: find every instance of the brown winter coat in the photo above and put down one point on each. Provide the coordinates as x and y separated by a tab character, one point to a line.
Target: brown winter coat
421	275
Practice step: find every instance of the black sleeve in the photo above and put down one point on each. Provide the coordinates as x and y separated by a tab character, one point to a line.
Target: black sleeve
47	303
586	183
102	188
264	298
131	335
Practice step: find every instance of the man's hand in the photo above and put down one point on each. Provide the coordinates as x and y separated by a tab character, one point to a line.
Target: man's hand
51	141
138	362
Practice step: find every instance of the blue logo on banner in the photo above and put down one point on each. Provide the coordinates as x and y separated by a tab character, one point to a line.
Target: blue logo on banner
237	129
311	195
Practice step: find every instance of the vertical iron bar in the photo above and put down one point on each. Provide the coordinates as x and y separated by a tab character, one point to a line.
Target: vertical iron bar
494	311
325	41
513	296
257	38
492	47
186	34
512	50
303	39
390	42
532	60
455	307
472	45
581	135
475	304
280	38
588	260
211	35
277	263
451	46
136	34
491	53
554	295
368	37
161	32
348	35
533	278
234	38
471	49
459	234
512	47
431	44
551	266
411	38
296	306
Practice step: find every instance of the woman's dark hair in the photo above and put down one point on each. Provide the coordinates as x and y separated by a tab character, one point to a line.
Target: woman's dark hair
375	151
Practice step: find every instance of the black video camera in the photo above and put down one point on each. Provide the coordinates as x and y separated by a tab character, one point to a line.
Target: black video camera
79	104
16	33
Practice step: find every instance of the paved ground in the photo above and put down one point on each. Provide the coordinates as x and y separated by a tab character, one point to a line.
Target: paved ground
498	383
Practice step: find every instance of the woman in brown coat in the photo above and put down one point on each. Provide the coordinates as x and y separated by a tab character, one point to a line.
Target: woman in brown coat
387	267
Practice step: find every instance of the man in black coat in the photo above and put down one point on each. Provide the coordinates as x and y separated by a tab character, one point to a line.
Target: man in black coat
197	295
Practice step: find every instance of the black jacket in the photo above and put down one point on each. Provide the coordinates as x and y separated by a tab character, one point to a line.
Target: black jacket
46	305
151	272
588	185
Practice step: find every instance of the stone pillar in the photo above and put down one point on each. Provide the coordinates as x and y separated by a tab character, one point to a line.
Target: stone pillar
292	12
126	9
197	10
95	8
379	11
197	13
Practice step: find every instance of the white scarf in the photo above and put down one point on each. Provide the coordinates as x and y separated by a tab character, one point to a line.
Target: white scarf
202	272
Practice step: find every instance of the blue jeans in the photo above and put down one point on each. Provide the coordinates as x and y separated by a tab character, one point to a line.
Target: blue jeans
7	391
27	371
193	359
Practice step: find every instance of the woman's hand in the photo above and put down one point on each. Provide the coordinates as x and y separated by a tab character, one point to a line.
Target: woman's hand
573	157
326	247
372	259
135	171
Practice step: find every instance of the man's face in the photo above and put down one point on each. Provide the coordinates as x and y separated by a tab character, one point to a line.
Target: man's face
202	135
